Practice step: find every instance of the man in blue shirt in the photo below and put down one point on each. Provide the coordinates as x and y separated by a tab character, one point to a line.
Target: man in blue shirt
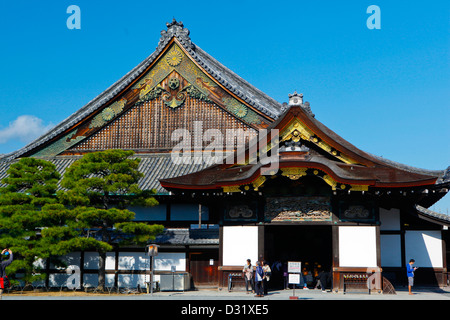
410	274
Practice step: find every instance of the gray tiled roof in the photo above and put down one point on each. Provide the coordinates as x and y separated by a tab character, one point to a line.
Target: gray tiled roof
184	236
160	165
443	218
154	166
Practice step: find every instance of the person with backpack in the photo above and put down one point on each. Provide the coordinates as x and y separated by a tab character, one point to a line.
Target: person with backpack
4	282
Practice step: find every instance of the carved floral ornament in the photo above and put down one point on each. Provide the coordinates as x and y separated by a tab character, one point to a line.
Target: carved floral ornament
240	211
356	211
298	209
294	173
176	96
174	57
202	86
108	114
196	84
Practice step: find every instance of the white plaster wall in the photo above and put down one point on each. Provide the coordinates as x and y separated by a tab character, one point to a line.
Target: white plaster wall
133	261
165	260
127	261
91	261
425	247
357	247
239	244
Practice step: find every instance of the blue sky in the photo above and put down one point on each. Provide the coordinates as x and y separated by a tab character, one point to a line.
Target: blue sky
386	91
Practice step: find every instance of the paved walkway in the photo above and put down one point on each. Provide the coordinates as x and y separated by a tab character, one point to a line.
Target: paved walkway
222	304
214	294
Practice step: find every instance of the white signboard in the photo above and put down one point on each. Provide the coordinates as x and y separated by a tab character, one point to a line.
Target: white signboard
294	267
294	278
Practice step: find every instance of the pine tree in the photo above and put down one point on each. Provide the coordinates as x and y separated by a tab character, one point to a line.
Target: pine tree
99	187
30	186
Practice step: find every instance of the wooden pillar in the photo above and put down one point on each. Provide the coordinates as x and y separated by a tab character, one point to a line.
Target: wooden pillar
261	243
444	277
378	240
116	268
335	263
220	262
82	269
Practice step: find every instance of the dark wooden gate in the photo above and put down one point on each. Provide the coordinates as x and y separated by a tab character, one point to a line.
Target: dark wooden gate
203	267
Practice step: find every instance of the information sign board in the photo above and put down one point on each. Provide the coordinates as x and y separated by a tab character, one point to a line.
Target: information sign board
294	267
294	278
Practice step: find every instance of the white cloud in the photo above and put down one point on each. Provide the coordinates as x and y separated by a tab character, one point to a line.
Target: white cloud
25	128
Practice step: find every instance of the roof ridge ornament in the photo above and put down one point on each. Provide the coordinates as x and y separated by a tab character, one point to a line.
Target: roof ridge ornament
175	29
296	100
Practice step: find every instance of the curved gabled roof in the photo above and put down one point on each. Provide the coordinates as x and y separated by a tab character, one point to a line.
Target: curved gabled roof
175	30
343	146
338	160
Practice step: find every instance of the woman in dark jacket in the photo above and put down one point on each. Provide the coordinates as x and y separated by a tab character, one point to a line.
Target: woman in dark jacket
259	276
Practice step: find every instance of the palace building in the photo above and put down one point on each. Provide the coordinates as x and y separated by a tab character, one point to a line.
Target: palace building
319	200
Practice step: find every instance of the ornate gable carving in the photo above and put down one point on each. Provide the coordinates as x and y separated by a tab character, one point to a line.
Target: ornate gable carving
173	81
296	131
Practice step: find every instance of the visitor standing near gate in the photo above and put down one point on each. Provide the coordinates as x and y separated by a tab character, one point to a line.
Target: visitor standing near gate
4	282
267	274
259	276
248	275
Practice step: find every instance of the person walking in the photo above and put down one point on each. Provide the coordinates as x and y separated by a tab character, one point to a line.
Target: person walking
285	276
324	278
410	274
277	275
4	282
306	276
267	275
317	273
248	276
259	275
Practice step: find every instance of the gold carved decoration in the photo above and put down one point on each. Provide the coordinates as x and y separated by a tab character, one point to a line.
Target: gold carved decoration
176	60
237	188
298	209
174	56
297	130
294	173
231	189
258	182
355	187
296	135
331	182
336	185
60	145
108	114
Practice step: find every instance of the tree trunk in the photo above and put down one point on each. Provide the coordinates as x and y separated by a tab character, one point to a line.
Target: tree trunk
101	270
